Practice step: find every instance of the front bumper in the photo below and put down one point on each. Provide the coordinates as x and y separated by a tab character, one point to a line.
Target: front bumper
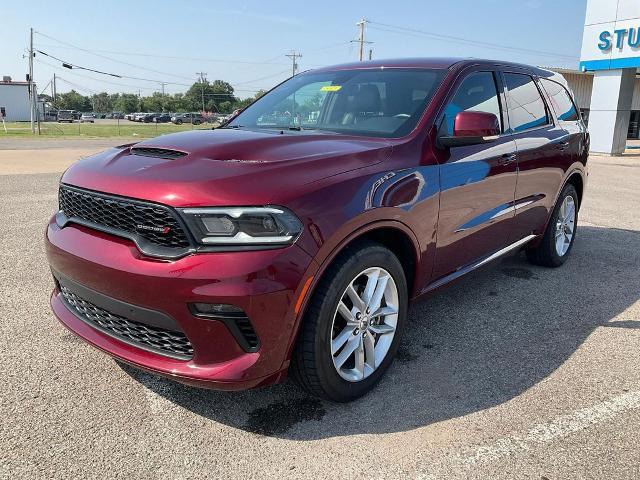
265	284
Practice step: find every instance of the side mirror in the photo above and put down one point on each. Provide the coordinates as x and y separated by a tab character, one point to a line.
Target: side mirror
471	128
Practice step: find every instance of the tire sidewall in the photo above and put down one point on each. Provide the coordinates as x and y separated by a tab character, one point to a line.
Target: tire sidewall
337	387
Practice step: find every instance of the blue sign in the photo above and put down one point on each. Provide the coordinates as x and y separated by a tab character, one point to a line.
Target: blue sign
617	38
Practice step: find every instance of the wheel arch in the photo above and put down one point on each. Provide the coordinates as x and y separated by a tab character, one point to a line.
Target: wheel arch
394	235
576	179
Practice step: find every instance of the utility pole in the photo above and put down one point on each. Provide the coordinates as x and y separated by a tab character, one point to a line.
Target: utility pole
163	84
31	92
361	39
54	90
203	78
293	56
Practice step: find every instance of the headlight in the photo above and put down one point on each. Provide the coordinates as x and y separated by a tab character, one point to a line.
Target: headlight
243	225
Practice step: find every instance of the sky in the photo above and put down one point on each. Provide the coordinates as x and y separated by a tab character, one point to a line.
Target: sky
245	42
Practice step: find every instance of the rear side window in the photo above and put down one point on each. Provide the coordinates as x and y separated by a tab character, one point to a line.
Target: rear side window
526	108
560	100
476	93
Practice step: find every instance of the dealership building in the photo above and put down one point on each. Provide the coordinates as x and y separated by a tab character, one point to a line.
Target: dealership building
609	62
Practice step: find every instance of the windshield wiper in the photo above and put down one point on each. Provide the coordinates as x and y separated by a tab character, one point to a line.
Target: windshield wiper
232	126
298	128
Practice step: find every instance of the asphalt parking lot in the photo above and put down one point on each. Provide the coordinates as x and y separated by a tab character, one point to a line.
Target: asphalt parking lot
514	372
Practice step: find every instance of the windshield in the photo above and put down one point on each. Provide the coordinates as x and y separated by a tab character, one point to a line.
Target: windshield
380	103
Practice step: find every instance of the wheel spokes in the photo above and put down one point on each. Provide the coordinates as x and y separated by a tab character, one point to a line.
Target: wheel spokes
346	313
351	346
355	298
370	288
359	363
364	326
382	329
381	286
370	351
341	339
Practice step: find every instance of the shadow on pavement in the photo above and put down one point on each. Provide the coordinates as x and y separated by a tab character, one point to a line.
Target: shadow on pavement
473	346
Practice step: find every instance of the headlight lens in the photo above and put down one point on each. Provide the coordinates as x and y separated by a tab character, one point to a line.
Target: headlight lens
243	225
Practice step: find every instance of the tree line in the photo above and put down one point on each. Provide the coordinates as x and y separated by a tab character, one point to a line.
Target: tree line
218	96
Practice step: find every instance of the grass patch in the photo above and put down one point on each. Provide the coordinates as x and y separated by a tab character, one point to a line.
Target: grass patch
96	130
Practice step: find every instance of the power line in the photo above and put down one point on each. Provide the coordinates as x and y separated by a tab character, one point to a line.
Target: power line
171	57
466	41
127	85
111	59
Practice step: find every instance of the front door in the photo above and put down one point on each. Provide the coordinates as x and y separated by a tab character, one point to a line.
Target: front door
477	182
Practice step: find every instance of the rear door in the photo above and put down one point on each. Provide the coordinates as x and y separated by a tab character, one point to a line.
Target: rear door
567	115
543	148
477	182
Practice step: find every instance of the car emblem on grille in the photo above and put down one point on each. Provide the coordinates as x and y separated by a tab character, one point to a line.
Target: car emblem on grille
153	228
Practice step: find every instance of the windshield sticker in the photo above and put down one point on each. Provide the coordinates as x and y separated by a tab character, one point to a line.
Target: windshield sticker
330	88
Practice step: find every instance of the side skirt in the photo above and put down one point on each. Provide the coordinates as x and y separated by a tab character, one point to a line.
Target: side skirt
469	268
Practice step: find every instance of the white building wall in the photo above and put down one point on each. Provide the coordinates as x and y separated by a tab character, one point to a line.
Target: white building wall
15	100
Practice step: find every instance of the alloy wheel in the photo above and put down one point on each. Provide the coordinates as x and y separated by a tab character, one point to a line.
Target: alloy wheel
565	225
364	324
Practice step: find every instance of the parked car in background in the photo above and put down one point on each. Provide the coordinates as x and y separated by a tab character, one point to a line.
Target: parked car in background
162	118
195	118
88	118
148	118
66	116
129	116
117	115
233	257
139	117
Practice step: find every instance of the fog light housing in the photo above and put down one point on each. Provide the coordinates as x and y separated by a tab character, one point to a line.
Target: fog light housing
215	309
234	318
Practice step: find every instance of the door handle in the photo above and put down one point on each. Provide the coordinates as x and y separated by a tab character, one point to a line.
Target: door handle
508	158
563	145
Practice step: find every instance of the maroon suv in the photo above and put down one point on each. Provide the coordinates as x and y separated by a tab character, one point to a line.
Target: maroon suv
292	239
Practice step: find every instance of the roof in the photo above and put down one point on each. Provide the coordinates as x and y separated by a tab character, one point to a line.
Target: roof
20	84
422	62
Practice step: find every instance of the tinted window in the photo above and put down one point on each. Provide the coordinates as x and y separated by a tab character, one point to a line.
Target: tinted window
526	107
560	100
380	102
477	93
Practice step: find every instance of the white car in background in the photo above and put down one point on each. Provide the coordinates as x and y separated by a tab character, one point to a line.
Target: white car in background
88	118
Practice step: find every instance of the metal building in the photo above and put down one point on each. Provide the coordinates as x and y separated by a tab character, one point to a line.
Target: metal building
14	100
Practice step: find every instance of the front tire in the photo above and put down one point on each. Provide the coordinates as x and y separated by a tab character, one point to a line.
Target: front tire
560	234
353	324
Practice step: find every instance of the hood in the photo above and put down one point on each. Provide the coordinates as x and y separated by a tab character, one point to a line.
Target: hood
224	167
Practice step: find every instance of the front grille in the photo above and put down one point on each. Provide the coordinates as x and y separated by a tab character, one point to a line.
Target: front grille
156	224
166	342
157	152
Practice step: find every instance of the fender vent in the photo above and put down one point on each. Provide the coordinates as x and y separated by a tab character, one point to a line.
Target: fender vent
157	152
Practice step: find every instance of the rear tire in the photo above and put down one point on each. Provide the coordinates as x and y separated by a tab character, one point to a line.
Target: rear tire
560	234
342	351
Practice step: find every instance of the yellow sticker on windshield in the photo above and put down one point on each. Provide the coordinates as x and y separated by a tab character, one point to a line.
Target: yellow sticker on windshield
330	88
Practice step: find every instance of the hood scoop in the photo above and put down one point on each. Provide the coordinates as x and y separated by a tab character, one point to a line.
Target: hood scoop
157	152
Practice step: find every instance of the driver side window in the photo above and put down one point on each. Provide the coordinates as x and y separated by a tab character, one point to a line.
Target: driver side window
478	93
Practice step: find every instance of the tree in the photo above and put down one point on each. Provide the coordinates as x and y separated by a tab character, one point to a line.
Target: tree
74	101
102	102
214	95
127	103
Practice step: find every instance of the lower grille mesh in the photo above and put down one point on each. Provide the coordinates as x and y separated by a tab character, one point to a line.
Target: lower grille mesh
174	344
